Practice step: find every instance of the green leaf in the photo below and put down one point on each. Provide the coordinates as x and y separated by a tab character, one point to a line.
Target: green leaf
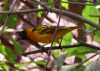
56	53
20	67
11	22
4	67
40	13
12	19
2	48
50	3
67	39
90	10
97	36
10	55
80	68
64	4
79	51
41	62
17	46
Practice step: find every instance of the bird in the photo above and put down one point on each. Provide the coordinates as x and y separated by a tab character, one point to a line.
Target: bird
43	33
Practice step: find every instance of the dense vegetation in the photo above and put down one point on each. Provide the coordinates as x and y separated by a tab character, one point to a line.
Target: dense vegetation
49	18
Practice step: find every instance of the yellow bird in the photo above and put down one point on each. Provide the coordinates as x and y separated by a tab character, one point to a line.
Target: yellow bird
43	33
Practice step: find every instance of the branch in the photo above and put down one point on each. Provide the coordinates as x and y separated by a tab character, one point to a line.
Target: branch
62	47
6	19
21	11
89	4
58	11
69	14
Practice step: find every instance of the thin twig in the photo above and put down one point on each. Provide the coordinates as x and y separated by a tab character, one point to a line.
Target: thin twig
88	59
6	20
79	3
21	11
58	11
72	15
63	47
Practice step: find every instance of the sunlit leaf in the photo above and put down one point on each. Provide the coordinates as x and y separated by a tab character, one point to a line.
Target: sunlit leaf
90	10
41	62
56	53
4	67
20	67
9	53
67	39
79	51
97	36
2	49
64	3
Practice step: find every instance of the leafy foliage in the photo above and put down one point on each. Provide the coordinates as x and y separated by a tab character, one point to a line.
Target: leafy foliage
88	11
79	51
80	68
12	20
67	39
97	36
18	47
